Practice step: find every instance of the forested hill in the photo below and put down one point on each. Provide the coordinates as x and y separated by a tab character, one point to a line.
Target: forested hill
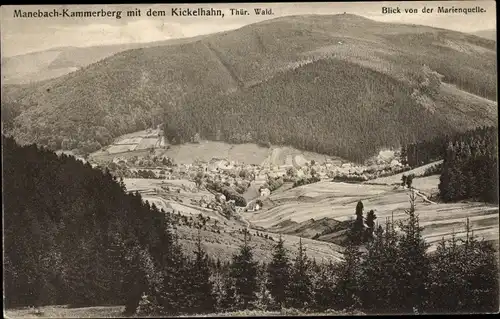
71	233
72	236
48	64
349	83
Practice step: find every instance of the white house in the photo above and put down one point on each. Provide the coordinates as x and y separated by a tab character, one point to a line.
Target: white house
265	192
253	206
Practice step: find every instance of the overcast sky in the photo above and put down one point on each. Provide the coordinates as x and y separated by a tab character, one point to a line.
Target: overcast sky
34	34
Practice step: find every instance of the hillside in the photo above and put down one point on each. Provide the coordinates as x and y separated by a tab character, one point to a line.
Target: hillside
140	143
48	64
298	80
490	34
91	250
320	207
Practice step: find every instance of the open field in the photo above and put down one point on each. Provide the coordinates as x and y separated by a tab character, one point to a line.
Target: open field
224	239
251	154
115	312
338	201
300	210
228	242
128	145
139	143
62	311
396	179
178	198
113	149
105	156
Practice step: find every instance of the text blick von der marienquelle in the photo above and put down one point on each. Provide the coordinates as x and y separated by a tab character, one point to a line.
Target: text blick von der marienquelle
436	9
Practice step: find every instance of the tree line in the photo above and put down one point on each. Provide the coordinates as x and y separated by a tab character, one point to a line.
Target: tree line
470	163
394	273
74	236
434	149
470	167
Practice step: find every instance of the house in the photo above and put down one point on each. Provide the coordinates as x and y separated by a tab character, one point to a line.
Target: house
254	206
300	173
265	192
220	198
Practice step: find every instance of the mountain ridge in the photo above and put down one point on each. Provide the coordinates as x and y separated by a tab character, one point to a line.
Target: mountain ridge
137	88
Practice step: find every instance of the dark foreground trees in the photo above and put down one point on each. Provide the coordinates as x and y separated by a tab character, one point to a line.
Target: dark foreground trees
243	271
73	236
279	274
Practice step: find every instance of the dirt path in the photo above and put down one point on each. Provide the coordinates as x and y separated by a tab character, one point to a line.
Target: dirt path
425	199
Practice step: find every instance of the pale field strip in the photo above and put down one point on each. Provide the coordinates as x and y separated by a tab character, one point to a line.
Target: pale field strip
396	179
228	242
141	140
105	156
338	201
138	143
63	311
228	245
113	149
148	142
133	184
386	201
464	47
132	140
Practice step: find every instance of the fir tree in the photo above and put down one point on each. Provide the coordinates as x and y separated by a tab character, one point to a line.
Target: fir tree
359	212
370	222
279	273
324	287
356	232
202	298
403	156
135	283
229	300
445	284
409	180
347	285
464	276
300	288
174	297
264	301
244	271
413	266
380	286
403	180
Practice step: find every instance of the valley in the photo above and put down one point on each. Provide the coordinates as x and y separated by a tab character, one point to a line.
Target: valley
301	164
294	80
313	212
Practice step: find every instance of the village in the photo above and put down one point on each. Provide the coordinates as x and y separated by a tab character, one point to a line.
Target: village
194	168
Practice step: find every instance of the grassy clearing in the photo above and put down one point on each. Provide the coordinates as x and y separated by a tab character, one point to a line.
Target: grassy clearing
116	312
66	312
396	179
139	143
338	201
224	239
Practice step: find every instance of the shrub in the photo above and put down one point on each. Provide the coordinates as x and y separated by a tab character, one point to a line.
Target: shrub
305	181
274	183
433	170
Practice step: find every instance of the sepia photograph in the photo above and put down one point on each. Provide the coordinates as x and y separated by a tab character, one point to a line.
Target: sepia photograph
249	159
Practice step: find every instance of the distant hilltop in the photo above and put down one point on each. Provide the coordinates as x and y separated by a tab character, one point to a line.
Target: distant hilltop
341	85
